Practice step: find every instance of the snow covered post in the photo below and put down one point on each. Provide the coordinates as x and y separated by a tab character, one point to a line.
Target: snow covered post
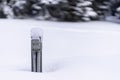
36	50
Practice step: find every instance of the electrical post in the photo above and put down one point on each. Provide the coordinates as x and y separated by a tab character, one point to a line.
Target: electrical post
36	50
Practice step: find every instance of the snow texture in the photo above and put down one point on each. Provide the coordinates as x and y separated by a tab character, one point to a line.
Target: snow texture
85	3
8	11
113	19
36	33
118	9
71	51
50	1
91	13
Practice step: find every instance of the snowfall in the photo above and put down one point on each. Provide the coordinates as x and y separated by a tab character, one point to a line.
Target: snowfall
71	51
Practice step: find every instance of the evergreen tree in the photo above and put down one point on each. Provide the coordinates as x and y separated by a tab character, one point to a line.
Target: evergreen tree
118	12
102	8
73	10
114	5
2	14
63	10
26	8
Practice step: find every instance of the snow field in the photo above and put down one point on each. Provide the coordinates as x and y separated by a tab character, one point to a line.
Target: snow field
71	51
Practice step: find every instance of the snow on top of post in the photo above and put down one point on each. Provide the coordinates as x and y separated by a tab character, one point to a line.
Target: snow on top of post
36	33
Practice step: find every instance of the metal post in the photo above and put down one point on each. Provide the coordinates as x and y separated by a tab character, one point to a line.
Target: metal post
36	52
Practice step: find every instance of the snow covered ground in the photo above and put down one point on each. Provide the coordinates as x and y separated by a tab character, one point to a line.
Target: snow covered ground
113	19
71	51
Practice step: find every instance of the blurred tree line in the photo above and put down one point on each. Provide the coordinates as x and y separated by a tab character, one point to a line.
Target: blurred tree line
62	10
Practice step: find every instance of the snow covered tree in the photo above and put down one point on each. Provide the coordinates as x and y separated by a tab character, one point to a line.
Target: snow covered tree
62	10
115	4
25	8
87	11
19	8
73	10
118	12
102	8
2	14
